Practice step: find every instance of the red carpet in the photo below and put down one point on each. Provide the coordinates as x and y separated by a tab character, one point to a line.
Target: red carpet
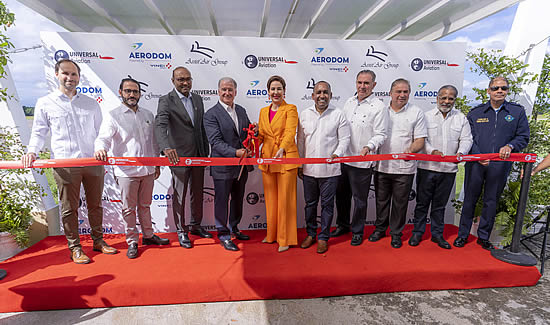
43	277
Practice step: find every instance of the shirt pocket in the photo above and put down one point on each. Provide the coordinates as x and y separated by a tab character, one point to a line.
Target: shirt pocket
58	120
432	130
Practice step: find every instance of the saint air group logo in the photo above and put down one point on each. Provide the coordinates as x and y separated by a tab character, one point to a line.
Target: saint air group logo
252	61
84	56
418	64
378	60
334	63
310	86
204	55
139	53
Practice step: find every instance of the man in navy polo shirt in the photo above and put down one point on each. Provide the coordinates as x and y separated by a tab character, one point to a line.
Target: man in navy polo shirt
497	126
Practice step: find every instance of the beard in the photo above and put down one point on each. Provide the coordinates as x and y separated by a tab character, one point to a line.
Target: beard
444	109
131	102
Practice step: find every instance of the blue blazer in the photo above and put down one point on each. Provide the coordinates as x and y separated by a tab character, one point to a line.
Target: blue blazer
224	138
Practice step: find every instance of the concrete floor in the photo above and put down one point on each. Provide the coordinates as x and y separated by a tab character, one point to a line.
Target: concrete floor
520	305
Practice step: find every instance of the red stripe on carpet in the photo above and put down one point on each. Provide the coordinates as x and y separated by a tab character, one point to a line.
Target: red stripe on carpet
43	277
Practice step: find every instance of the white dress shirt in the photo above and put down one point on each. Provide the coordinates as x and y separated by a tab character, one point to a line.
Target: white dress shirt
232	112
129	134
368	121
188	104
449	135
73	123
321	136
405	125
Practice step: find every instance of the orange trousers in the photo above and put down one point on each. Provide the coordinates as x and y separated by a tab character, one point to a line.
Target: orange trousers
280	206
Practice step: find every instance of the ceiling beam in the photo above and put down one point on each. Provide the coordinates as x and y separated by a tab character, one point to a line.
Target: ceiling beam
160	16
324	6
466	19
267	6
289	17
371	12
56	17
212	18
98	9
411	20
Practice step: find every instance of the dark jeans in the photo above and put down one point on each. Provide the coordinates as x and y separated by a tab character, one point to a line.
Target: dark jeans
432	188
181	177
354	182
491	179
392	199
224	188
325	187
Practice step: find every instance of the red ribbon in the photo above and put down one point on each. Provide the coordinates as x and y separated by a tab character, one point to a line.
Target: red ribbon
206	161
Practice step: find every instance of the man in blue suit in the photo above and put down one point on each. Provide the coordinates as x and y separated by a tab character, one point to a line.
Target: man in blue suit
497	126
224	124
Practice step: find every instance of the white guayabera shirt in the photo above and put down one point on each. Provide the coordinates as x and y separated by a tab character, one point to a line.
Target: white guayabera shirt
73	123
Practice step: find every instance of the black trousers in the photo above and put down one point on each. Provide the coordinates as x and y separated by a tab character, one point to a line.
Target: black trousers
392	199
324	187
432	188
181	177
353	183
224	189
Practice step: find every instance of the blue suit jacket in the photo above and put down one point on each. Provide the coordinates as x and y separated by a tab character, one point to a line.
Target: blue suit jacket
224	138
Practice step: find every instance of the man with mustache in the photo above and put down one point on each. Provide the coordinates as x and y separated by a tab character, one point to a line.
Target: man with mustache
497	126
448	134
74	121
323	132
394	178
128	131
179	130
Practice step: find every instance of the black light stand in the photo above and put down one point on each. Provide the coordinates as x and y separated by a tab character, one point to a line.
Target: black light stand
514	256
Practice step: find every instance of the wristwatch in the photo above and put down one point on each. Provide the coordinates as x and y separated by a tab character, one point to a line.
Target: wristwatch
511	146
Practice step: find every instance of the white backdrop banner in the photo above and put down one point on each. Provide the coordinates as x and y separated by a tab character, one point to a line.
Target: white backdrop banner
107	58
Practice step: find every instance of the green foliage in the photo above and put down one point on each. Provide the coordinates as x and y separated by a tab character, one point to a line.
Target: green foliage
6	20
18	195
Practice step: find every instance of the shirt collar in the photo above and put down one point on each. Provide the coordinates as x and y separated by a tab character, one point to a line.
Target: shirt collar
367	100
126	109
438	112
404	108
59	94
503	107
226	107
181	96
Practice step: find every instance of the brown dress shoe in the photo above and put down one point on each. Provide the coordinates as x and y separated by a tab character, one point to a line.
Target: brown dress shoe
78	256
101	246
307	242
322	246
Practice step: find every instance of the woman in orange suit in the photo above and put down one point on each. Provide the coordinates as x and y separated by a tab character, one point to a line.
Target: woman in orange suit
277	131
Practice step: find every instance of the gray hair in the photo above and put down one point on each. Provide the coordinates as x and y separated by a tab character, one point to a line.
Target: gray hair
499	78
398	81
227	79
372	74
453	88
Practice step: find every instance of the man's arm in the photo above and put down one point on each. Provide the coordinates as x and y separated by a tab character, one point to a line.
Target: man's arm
466	140
161	130
344	137
103	141
545	163
380	128
521	138
40	128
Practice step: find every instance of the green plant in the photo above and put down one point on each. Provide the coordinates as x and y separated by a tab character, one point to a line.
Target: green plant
6	20
18	195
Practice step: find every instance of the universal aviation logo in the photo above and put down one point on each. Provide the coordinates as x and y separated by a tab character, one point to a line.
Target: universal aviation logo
418	64
204	55
159	60
206	94
334	63
80	56
378	60
252	61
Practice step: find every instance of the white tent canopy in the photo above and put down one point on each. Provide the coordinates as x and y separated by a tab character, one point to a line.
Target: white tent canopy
334	19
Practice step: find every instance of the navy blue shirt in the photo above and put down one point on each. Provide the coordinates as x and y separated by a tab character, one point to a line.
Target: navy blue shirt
492	131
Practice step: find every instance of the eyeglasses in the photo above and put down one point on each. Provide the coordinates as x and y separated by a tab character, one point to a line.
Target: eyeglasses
184	79
495	88
130	91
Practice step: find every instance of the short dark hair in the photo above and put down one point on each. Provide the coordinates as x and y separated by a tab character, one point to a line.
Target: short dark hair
177	68
372	74
453	88
129	80
398	81
499	78
58	64
322	82
276	78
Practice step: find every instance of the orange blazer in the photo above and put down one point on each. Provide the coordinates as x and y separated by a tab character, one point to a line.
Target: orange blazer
279	133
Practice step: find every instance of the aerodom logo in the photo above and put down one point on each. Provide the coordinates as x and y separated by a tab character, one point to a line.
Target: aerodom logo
418	64
378	60
423	92
80	56
255	90
159	60
204	55
252	61
334	63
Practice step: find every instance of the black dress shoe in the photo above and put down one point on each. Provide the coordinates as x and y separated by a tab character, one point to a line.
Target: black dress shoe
132	251
155	240
339	231
396	242
377	235
460	242
415	239
441	242
485	244
229	245
356	240
184	240
240	236
201	233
